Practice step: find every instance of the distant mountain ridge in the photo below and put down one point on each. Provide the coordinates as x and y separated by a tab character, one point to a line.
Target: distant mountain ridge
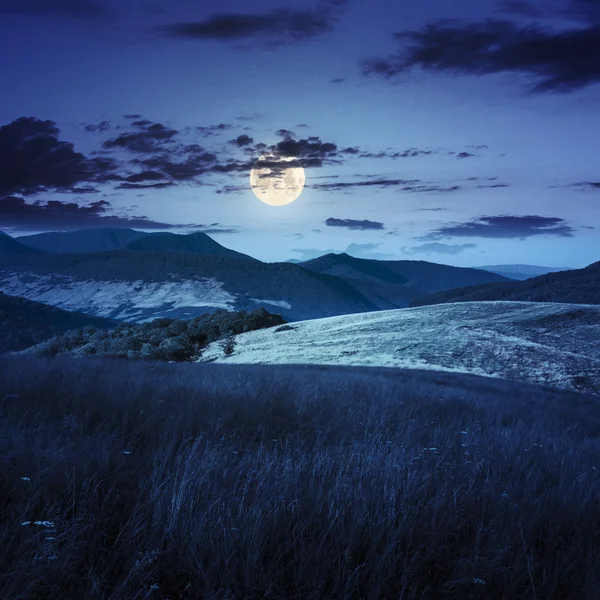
194	243
577	286
101	239
392	284
11	247
522	272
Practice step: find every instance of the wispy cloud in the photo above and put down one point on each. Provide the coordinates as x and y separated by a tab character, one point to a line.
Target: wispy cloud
354	224
272	28
437	248
562	60
504	226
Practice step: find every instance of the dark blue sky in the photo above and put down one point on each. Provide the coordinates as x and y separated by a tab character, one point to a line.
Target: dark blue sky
464	136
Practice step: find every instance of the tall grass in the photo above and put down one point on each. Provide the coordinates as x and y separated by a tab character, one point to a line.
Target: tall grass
140	480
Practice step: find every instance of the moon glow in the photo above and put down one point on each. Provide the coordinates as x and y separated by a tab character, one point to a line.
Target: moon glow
277	180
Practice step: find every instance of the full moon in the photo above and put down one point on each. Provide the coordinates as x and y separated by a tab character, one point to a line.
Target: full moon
277	180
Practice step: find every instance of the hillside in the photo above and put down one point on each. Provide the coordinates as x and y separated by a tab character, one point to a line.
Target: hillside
578	286
10	247
521	272
139	286
24	323
395	283
552	344
99	239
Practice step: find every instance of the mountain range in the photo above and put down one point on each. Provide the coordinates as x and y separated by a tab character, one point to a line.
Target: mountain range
579	286
128	275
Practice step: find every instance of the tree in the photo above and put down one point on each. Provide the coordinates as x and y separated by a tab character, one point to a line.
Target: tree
228	344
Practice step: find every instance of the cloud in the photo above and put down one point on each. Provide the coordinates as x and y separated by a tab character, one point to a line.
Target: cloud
404	185
33	159
558	61
366	251
408	153
272	28
76	9
149	137
586	185
192	165
16	213
250	117
520	8
354	224
504	227
464	155
242	140
133	116
213	129
437	248
100	127
586	11
310	253
144	186
381	182
337	80
285	133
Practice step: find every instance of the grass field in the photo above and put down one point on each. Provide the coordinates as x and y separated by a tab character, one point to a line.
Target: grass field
150	480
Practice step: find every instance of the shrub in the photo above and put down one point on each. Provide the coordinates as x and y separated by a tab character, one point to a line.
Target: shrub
162	339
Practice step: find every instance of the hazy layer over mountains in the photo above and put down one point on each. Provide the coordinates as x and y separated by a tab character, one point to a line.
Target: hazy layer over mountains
522	272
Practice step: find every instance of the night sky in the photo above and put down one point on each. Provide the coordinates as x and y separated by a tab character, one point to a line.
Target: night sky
465	136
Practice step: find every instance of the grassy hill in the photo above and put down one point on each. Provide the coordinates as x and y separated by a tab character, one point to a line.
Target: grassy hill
551	344
128	479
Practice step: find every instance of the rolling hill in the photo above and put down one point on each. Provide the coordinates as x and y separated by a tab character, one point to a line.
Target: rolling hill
24	323
578	286
551	344
394	284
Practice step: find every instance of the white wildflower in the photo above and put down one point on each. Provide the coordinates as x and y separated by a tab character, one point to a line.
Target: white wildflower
49	524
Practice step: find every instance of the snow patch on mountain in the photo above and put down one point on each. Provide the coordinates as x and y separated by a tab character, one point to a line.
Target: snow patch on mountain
136	301
279	303
546	343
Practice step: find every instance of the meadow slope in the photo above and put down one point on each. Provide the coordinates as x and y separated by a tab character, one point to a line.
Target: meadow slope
551	344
